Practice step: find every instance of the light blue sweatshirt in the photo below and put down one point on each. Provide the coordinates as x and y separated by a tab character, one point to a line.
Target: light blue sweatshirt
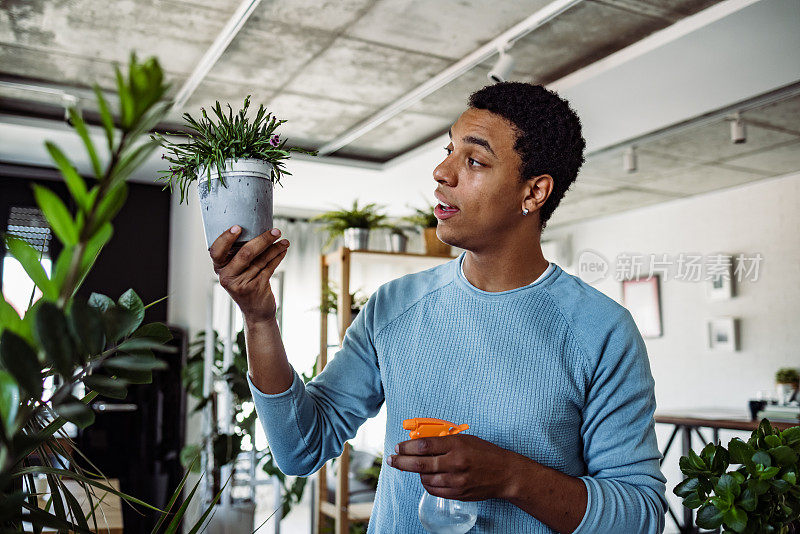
555	371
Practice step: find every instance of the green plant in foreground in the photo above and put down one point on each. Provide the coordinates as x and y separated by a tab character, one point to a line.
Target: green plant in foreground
787	375
97	341
761	495
337	221
423	218
230	137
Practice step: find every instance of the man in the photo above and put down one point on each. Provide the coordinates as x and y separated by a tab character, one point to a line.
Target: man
551	375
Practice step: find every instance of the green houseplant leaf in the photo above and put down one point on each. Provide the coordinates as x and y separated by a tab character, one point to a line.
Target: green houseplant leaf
20	360
56	214
52	334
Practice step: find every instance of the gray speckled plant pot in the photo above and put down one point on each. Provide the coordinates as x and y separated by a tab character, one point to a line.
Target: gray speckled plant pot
244	199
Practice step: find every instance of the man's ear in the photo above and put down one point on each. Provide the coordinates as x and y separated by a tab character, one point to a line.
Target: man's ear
537	191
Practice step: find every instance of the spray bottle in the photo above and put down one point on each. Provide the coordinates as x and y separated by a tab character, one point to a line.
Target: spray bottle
437	514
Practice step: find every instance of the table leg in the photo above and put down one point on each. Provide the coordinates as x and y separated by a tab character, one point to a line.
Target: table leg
688	513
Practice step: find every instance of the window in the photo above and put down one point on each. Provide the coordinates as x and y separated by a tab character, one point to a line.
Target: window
30	225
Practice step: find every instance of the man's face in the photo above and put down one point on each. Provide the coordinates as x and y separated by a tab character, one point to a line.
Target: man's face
480	176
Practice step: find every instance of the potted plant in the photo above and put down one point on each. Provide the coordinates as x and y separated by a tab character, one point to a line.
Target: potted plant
761	495
98	342
786	382
397	239
427	221
237	162
330	302
227	446
354	224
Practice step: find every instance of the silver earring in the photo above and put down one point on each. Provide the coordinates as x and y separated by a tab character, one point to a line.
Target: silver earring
524	211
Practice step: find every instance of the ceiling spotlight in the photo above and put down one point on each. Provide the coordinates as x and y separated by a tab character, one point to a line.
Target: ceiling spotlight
738	131
503	68
629	159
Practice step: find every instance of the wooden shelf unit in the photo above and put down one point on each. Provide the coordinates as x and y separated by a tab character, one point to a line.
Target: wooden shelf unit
342	512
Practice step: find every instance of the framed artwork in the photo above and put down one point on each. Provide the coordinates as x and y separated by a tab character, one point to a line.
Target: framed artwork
642	298
723	334
719	286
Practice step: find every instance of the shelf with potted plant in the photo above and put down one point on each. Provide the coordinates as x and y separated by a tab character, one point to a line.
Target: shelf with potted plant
352	224
342	511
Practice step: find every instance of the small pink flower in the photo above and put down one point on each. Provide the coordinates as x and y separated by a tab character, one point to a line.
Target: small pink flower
275	140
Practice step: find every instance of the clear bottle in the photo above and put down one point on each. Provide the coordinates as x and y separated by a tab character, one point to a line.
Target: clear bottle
437	514
447	516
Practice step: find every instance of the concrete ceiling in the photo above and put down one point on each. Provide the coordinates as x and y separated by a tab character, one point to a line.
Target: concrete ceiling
324	66
689	161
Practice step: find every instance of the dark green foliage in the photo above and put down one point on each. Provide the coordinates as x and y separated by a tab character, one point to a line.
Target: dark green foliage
230	137
101	343
761	495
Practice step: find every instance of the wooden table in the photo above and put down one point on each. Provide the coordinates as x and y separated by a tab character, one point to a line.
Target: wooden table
687	422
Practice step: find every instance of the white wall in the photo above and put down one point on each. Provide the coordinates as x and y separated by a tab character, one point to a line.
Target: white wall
760	217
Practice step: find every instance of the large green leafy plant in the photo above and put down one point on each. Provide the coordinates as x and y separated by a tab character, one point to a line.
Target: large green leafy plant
97	341
761	495
227	446
230	137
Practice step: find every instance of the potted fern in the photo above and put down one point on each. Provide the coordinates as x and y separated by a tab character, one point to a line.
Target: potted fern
427	221
354	224
237	162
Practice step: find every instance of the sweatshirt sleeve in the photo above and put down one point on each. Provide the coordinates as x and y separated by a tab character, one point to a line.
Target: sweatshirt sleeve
308	424
626	489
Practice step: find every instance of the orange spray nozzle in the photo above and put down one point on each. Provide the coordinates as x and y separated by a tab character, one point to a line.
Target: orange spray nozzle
424	427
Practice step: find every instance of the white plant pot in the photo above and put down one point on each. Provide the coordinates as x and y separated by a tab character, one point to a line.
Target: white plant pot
245	199
356	238
397	242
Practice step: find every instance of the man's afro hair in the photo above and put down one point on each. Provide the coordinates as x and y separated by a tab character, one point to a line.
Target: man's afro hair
549	139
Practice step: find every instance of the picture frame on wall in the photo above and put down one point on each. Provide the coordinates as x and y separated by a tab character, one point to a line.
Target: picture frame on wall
642	297
719	283
723	334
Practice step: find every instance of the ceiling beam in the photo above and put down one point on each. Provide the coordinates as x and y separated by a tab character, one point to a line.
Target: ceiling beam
220	44
481	54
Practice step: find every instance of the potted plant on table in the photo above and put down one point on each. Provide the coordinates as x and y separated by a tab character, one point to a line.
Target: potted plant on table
761	495
786	382
427	221
354	224
237	162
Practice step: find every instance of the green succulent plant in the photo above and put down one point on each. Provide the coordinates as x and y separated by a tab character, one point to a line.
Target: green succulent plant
230	137
761	495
